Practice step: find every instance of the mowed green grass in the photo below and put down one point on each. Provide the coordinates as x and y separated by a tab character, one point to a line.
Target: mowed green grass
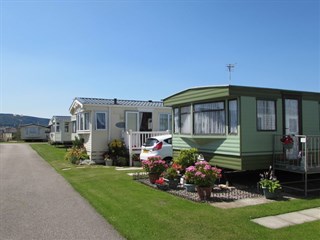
140	212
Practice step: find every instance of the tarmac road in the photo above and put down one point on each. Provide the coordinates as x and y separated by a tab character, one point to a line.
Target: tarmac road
37	203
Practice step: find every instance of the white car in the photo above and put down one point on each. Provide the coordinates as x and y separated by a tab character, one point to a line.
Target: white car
157	146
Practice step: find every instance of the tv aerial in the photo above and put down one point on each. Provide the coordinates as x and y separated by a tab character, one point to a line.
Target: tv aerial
230	68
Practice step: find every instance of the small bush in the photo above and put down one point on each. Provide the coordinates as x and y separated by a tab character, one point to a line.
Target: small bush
187	157
75	154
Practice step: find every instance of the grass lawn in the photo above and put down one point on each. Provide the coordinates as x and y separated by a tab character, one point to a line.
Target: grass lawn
140	212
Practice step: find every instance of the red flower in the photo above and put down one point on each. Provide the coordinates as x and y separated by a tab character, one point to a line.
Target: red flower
286	140
160	181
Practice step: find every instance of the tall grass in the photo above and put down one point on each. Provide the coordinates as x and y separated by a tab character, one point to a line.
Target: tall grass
140	212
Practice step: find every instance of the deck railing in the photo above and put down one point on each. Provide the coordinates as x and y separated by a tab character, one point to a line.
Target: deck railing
134	140
302	156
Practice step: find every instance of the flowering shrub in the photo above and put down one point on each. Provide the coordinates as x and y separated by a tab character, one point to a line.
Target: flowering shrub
176	166
117	148
171	173
154	165
204	175
75	154
190	174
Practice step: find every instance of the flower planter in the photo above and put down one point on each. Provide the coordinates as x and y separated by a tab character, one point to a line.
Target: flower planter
270	195
190	187
163	187
204	193
173	183
108	162
153	177
287	145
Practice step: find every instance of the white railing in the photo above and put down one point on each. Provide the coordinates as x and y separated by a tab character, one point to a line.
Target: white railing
134	140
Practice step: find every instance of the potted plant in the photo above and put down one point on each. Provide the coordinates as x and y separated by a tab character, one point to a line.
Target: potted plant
269	184
172	177
107	159
136	160
155	166
204	178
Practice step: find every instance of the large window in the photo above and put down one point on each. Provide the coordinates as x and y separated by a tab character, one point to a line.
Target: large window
101	120
165	121
57	127
185	116
83	121
233	117
266	115
209	118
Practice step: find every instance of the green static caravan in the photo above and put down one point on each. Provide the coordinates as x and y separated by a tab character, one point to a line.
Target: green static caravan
234	126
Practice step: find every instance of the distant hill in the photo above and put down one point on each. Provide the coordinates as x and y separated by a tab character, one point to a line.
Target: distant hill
13	120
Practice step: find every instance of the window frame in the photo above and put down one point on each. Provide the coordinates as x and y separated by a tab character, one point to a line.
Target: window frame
83	121
223	111
168	119
190	129
260	128
229	117
105	121
176	120
66	127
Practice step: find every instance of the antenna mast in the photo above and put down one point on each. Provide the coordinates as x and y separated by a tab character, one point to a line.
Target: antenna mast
230	69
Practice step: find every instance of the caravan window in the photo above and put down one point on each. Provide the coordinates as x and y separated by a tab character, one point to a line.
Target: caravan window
233	116
165	121
176	120
185	116
209	118
101	120
266	115
83	121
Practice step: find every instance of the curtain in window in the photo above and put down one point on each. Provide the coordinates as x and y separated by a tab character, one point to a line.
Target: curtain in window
164	124
209	118
100	120
266	114
292	116
176	120
86	121
209	122
233	117
185	120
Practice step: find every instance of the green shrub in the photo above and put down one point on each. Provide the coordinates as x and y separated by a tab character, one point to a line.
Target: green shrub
187	157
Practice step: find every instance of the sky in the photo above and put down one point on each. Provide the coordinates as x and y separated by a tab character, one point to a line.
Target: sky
52	51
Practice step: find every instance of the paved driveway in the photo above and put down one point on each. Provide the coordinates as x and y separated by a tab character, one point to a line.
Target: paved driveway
37	203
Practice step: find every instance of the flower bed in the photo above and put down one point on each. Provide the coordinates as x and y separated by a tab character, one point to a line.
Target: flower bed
219	194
